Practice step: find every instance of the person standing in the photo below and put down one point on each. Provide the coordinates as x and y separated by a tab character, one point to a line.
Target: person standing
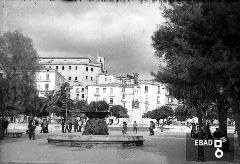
235	130
135	126
80	123
124	131
75	125
67	126
31	128
70	126
151	128
63	123
5	124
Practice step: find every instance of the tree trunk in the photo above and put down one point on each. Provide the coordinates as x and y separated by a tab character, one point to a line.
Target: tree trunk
236	110
200	157
222	116
2	124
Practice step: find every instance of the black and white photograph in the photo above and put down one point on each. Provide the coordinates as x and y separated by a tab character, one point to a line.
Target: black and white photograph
119	82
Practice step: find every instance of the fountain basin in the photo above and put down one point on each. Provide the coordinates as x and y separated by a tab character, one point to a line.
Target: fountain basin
83	140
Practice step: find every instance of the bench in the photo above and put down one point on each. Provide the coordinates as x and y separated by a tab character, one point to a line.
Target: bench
15	134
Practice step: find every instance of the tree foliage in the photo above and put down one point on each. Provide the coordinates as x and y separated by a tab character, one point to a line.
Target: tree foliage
182	112
119	111
162	112
18	59
98	106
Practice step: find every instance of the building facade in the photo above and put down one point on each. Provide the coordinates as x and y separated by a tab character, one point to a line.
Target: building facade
138	99
48	80
76	70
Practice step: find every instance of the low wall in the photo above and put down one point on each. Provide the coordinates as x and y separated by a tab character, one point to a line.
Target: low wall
83	140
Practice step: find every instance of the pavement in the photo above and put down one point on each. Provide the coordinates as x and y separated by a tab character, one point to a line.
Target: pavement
162	148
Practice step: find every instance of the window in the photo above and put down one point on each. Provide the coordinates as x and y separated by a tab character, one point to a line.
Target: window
46	87
69	78
50	67
146	89
97	90
86	68
92	78
82	96
111	91
158	99
159	89
111	100
62	67
56	67
77	90
86	77
75	78
75	67
104	90
170	99
47	76
82	89
70	67
105	79
91	69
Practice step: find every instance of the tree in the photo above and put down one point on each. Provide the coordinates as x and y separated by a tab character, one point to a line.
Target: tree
162	112
98	106
96	124
119	111
80	106
182	112
18	59
200	44
59	102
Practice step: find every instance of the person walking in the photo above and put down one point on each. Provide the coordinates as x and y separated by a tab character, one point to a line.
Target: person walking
135	126
31	128
124	131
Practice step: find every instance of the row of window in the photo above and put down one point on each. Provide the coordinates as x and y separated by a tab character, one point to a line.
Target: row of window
77	90
77	96
70	68
75	79
158	91
104	90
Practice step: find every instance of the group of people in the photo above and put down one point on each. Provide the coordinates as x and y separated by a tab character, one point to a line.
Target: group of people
76	125
151	128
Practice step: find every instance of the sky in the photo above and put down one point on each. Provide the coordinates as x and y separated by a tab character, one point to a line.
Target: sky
120	32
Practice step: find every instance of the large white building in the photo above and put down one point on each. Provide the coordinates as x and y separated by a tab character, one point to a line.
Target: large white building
137	98
76	70
48	80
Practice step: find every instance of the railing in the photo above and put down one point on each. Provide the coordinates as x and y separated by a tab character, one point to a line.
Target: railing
96	94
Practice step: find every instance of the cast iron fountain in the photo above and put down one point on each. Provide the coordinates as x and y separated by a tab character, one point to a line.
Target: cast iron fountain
95	131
